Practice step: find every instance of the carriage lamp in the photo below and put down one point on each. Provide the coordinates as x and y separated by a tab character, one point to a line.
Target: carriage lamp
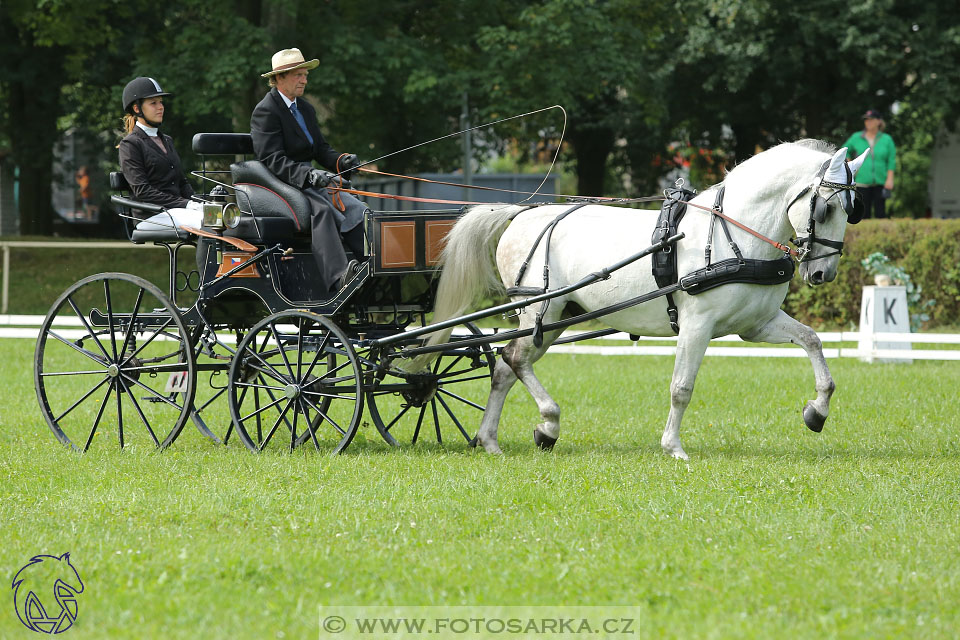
221	216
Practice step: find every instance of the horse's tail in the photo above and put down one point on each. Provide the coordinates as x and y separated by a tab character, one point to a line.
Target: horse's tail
469	272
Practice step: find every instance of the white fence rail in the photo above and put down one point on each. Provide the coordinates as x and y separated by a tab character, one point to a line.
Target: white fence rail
29	244
16	326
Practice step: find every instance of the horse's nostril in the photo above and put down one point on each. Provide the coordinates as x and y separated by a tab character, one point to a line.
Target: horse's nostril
817	277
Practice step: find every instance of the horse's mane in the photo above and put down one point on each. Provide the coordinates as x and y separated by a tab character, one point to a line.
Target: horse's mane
816	145
806	143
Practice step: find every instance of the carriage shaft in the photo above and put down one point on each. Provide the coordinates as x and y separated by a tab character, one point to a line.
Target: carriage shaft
603	274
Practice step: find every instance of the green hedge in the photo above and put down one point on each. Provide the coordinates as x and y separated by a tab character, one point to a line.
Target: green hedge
928	250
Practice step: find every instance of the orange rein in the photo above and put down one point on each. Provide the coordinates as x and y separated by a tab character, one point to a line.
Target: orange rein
600	200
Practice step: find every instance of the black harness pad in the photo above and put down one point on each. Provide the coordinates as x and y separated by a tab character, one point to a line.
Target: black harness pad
733	270
671	213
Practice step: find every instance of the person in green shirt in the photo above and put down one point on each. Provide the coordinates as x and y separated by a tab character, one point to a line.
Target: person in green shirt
875	177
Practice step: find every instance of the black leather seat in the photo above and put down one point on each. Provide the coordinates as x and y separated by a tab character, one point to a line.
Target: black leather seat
268	197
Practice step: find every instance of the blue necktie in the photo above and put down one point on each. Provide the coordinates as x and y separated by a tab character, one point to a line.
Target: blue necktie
299	118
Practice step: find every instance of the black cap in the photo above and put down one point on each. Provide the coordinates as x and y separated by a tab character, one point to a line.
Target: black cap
140	88
872	113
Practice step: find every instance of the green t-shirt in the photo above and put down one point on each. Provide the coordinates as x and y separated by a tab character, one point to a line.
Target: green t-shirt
875	167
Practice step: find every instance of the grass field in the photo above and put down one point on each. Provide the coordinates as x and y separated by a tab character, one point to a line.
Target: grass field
768	531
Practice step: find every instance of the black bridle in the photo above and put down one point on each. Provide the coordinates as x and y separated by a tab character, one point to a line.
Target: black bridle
819	206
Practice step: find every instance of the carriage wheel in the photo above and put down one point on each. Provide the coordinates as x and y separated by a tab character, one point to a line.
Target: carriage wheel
445	399
124	363
296	379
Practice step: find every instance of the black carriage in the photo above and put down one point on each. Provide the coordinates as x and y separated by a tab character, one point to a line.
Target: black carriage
261	353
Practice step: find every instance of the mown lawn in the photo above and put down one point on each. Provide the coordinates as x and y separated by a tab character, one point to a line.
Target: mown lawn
768	531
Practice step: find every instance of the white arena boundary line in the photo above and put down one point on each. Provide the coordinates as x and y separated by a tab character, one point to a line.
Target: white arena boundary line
27	326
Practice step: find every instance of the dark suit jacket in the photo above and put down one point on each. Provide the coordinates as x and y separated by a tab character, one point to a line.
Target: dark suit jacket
281	144
154	176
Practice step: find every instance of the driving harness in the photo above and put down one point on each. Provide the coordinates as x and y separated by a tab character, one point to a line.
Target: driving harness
712	275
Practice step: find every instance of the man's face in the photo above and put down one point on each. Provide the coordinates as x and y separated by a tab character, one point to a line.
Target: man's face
292	83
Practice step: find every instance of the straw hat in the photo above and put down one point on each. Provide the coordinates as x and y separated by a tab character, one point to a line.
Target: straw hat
288	60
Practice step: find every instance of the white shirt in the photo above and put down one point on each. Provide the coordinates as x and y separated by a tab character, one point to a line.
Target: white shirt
150	131
287	101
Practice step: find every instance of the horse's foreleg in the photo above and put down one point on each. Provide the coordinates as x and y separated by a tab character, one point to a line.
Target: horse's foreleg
690	350
782	329
501	382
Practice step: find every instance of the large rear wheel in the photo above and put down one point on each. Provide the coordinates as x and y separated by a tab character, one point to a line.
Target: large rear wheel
113	354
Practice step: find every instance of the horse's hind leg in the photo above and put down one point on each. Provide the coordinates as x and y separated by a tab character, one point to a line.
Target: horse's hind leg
517	362
782	329
690	350
501	382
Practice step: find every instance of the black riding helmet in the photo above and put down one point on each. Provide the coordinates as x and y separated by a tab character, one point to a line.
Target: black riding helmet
139	89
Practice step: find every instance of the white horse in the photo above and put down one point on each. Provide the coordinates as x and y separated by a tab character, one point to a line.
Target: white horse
765	193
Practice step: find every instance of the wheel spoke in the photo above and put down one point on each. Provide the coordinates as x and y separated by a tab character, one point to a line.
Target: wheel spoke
273	429
258	409
78	348
310	428
116	384
152	392
108	300
143	418
326	417
453	417
321	348
147	341
206	404
449	379
448	367
133	320
460	399
283	352
82	398
406	408
250	385
86	325
96	421
416	432
293	427
436	419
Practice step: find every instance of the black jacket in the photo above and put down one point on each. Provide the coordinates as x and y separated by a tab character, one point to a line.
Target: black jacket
154	176
281	144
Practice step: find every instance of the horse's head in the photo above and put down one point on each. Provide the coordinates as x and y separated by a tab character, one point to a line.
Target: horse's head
820	213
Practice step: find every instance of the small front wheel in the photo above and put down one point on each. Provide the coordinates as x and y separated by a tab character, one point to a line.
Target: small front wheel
443	399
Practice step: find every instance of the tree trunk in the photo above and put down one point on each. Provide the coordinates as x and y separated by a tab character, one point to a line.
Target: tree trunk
591	147
33	110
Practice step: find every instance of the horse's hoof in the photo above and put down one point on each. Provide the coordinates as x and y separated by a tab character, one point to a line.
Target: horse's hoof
543	441
813	418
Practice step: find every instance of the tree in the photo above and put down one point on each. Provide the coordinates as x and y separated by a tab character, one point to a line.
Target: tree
595	58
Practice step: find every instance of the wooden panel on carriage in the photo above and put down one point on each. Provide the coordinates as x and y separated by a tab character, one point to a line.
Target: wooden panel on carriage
408	242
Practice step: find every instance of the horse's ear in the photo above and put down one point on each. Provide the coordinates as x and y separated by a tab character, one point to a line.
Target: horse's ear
836	172
857	162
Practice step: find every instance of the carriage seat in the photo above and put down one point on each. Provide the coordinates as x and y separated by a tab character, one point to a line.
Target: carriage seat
269	197
129	209
274	218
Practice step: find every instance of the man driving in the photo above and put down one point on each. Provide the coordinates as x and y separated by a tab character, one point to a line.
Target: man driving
286	139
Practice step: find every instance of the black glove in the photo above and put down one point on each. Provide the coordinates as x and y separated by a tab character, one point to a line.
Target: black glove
318	178
348	161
